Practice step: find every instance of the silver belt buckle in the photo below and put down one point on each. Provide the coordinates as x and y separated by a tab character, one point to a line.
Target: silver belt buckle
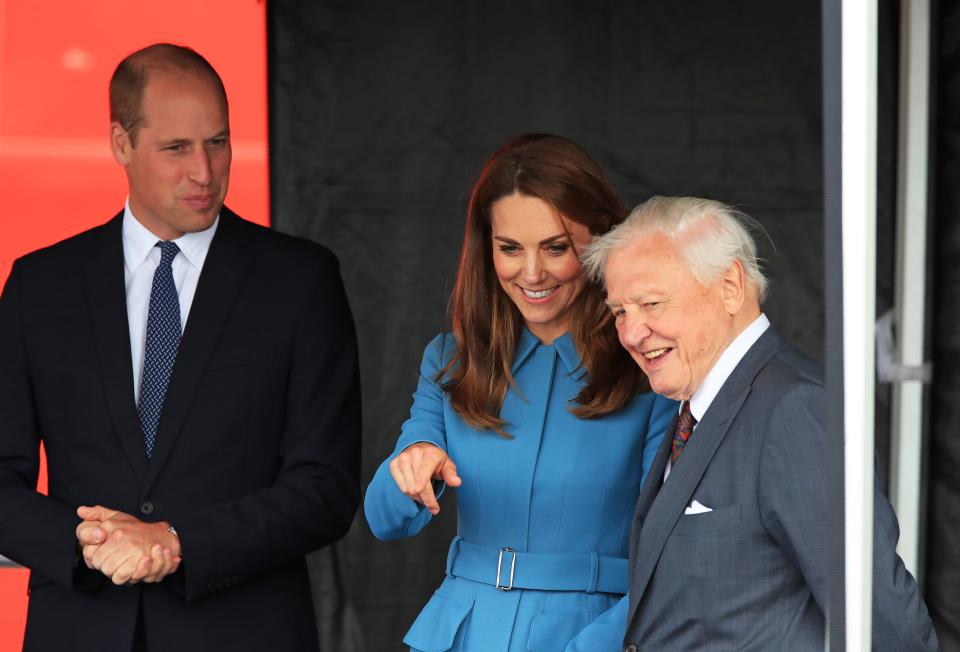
513	567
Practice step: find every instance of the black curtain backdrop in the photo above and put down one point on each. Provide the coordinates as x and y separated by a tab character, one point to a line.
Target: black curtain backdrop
943	515
382	113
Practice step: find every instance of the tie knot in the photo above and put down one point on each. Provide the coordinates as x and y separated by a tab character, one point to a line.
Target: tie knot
687	420
168	251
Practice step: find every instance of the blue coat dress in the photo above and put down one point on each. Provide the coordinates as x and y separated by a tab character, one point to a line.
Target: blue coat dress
551	506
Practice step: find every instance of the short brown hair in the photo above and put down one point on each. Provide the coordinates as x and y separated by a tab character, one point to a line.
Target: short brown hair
130	79
486	323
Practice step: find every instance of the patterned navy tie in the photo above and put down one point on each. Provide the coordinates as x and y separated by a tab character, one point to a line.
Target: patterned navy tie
162	342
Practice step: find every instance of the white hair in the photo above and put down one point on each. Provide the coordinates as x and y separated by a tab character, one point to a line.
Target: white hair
724	237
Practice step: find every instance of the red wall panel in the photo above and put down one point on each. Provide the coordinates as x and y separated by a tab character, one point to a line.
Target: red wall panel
57	176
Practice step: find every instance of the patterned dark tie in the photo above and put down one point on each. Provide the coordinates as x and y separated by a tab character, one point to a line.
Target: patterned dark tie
685	425
162	342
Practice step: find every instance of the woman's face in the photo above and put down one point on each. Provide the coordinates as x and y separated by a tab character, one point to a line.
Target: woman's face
535	261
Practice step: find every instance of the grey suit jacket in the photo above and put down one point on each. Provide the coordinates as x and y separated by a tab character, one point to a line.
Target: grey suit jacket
750	575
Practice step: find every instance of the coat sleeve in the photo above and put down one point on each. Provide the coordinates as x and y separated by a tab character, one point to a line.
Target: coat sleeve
390	513
661	418
793	509
35	530
315	495
606	632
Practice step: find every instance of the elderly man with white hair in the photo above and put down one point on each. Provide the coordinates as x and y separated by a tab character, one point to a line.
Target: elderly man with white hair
727	549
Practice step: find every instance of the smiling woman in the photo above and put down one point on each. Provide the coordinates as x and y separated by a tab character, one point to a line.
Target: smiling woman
543	187
533	358
535	256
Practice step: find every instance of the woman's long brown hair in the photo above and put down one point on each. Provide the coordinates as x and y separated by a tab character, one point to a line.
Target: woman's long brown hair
486	323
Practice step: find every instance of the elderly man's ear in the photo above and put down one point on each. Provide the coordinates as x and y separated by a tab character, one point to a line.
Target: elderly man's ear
733	288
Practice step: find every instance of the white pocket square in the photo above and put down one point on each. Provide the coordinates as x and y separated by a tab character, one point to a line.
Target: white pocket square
696	508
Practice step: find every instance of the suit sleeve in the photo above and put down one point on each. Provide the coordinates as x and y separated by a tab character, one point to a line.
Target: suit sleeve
316	493
35	530
793	509
390	513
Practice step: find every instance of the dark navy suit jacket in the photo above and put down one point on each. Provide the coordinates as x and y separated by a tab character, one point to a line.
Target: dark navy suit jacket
257	453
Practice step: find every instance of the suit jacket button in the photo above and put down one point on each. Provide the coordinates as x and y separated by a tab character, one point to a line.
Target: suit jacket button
630	648
146	508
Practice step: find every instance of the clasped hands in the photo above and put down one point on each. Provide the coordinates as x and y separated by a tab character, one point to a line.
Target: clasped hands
126	549
415	468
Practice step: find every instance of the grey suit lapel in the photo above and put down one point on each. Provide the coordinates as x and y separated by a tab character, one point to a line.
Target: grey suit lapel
669	503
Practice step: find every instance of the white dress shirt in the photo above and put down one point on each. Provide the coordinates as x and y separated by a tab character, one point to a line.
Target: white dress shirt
721	370
140	260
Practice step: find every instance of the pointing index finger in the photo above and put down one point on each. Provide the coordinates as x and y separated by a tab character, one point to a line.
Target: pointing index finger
429	499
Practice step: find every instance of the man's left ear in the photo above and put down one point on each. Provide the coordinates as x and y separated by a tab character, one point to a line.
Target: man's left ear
733	286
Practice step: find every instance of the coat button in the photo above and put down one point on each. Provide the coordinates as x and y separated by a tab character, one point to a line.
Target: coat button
146	508
630	648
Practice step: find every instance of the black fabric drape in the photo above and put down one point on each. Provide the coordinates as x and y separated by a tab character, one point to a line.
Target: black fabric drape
943	512
382	113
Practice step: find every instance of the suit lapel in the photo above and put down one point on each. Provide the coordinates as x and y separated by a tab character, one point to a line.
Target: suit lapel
650	488
220	281
669	504
107	305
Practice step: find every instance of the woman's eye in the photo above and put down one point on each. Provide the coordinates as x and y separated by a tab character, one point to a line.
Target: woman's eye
558	249
509	249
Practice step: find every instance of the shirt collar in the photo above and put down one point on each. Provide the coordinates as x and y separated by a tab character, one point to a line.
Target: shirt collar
138	241
568	353
563	345
528	342
725	365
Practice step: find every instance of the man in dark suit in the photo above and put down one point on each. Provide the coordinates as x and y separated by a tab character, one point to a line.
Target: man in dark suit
727	549
193	379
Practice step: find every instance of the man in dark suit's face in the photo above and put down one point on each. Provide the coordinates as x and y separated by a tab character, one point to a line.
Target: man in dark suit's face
673	325
177	155
171	134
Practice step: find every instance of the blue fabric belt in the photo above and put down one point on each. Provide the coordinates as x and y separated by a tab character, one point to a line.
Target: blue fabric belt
507	569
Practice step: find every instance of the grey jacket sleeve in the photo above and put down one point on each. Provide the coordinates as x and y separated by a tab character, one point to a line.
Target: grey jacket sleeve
792	498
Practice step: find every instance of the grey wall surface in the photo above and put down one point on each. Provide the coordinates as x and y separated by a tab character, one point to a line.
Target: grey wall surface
382	114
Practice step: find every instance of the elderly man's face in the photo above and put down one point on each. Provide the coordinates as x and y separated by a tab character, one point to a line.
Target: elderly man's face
674	327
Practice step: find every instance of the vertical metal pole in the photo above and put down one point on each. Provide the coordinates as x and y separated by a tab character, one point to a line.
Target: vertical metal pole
833	324
859	174
907	440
